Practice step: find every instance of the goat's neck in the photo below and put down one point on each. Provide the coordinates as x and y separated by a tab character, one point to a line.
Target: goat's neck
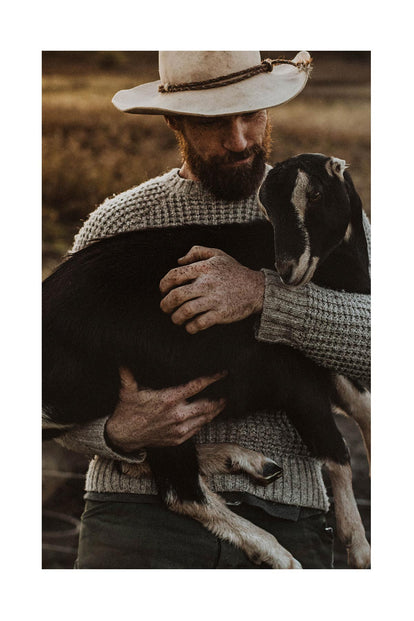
347	266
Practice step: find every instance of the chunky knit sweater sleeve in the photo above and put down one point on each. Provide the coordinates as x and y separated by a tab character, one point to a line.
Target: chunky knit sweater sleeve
330	327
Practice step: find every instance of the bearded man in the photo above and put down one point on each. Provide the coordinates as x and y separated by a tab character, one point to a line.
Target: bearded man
216	104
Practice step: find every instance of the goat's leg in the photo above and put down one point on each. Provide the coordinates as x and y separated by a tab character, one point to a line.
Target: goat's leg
349	525
225	458
229	458
355	401
136	470
259	545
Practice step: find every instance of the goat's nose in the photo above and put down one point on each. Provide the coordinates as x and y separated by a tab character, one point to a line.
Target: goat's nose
285	271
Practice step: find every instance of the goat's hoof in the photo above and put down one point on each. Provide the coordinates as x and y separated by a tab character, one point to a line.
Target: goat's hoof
271	471
282	560
287	562
238	459
262	548
359	555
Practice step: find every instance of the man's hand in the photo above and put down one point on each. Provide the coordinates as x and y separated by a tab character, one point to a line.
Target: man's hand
211	287
145	417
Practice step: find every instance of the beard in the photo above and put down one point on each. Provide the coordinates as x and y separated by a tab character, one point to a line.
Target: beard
227	182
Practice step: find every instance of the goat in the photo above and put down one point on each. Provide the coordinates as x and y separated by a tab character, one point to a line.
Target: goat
101	312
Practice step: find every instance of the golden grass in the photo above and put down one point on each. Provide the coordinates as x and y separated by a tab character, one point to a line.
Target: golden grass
91	151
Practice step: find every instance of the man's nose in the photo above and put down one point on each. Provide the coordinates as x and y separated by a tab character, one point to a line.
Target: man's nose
235	138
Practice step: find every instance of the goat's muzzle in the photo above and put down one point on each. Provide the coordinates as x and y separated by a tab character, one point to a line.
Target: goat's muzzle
285	270
296	273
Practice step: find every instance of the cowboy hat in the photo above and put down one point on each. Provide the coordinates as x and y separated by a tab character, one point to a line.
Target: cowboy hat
216	84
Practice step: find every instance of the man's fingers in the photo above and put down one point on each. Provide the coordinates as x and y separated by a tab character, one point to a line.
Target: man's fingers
192	264
205	408
178	276
202	322
199	253
193	387
198	414
189	309
177	297
127	379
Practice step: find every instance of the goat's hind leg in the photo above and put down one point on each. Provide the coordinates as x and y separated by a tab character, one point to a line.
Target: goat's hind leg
349	525
311	411
309	408
355	400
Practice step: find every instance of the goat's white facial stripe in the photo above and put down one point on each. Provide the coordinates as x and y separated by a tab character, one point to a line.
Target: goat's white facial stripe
299	202
302	264
305	269
299	194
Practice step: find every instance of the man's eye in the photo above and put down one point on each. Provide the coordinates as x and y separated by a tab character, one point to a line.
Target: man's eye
209	121
250	115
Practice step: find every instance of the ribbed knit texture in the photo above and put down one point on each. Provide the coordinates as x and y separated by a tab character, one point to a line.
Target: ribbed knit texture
332	328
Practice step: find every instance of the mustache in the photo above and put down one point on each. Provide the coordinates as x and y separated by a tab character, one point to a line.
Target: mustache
236	156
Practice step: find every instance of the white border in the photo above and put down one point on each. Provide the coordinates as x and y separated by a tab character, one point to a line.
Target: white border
210	25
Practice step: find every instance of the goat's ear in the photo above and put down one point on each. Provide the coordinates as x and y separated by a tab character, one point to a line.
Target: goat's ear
335	167
354	198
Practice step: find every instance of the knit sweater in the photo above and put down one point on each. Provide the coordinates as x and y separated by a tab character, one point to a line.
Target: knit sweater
330	327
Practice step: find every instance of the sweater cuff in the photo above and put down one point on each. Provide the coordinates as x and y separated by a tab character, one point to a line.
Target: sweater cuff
284	312
91	439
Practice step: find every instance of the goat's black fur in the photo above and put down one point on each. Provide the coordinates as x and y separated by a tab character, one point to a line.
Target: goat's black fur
101	312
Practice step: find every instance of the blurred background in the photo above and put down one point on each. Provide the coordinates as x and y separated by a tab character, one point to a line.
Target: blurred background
91	151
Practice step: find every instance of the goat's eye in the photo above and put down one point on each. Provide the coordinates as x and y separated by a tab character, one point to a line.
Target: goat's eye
315	197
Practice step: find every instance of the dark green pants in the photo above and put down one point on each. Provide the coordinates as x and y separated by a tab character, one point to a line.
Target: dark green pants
125	535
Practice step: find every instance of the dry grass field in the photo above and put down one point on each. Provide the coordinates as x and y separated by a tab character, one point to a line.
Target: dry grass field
91	151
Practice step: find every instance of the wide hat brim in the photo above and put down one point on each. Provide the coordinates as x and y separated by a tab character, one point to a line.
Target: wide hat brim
259	92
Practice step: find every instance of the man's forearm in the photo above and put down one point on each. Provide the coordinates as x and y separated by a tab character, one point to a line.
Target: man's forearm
330	327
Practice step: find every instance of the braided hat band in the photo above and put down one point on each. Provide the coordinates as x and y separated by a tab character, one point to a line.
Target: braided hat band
232	78
189	85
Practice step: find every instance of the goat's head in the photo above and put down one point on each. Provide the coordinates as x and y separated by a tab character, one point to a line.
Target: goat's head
306	198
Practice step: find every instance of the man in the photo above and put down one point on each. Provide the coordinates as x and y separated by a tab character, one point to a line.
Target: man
216	104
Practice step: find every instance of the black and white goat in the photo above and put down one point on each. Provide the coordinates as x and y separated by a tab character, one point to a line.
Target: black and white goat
101	312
